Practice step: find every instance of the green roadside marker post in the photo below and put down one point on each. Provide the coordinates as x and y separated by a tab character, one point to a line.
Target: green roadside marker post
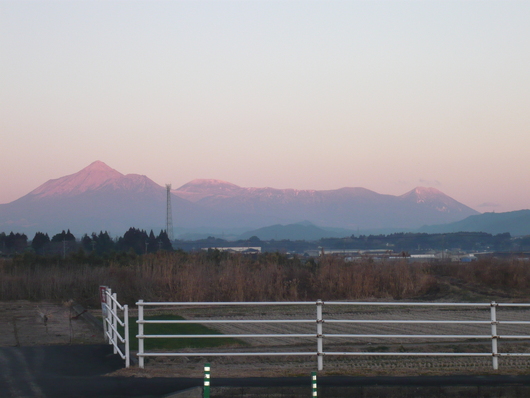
314	383
206	388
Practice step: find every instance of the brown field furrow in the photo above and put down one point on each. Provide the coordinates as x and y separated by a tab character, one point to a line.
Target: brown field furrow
395	313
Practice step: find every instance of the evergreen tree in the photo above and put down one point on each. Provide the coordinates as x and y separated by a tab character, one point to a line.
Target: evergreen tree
105	244
63	243
69	236
87	243
40	242
152	244
164	242
134	239
3	243
16	243
63	236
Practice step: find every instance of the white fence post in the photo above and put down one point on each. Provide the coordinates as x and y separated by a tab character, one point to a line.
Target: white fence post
320	357
104	311
494	336
126	335
108	318
115	322
140	333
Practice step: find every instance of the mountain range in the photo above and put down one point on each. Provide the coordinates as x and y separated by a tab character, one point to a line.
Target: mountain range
99	198
517	223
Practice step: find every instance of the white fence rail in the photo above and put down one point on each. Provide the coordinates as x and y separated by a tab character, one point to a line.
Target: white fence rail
111	309
490	322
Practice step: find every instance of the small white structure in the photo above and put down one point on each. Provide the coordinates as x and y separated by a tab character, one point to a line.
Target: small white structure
242	249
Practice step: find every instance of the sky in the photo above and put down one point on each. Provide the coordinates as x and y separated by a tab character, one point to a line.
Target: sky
385	95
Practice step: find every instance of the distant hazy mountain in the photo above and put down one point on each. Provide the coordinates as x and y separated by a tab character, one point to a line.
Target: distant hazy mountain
292	231
101	198
350	208
517	223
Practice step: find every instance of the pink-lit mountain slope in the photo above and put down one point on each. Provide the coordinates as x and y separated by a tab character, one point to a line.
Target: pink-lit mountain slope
212	191
433	199
101	198
96	176
97	198
356	208
199	189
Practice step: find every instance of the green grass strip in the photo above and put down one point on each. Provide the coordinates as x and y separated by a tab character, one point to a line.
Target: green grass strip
175	343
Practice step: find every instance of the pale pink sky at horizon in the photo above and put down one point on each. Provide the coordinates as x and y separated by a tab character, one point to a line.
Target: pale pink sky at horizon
385	95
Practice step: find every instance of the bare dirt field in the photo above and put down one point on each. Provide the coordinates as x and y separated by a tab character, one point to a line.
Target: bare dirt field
26	323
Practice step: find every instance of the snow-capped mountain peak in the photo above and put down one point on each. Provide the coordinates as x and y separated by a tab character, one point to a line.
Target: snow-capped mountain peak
91	177
95	176
201	188
423	194
435	199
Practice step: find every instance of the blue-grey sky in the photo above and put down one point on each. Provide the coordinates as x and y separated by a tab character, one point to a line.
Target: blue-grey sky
387	95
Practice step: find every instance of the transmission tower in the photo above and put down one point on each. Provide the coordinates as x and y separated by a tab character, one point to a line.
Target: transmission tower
169	214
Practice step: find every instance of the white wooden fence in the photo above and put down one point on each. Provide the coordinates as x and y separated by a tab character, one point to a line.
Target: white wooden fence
490	322
111	309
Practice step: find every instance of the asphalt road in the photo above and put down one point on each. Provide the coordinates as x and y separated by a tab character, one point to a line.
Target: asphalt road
78	371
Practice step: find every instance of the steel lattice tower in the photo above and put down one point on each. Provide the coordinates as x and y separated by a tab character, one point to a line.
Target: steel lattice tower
169	214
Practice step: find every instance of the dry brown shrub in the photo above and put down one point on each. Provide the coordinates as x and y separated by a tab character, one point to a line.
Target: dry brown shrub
233	277
511	274
338	279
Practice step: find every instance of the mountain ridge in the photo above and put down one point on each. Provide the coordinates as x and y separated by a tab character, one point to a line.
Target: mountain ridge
99	197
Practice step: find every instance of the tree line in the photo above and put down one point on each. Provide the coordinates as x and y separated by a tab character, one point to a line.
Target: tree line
412	242
138	242
135	241
397	242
